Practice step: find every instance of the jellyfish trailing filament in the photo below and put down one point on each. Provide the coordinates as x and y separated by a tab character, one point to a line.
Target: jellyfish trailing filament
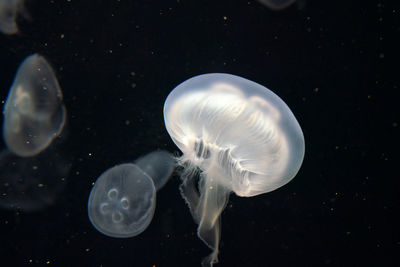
235	135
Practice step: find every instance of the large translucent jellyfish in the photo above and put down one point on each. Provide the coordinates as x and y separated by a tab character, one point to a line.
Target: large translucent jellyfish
123	199
8	15
34	113
235	135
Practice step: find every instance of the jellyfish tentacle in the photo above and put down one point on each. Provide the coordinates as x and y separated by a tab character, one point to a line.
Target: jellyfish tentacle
206	209
213	199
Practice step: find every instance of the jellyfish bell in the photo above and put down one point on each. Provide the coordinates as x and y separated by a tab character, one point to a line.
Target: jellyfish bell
158	165
277	4
34	112
122	202
237	136
9	11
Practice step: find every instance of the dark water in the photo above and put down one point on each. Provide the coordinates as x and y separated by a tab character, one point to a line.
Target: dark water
116	62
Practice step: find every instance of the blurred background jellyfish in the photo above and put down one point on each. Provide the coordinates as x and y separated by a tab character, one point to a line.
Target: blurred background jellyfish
34	112
32	174
123	199
281	4
158	165
277	4
9	9
30	184
235	135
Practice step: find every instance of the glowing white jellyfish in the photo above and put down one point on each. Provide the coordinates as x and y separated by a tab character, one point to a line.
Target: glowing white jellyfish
34	112
235	135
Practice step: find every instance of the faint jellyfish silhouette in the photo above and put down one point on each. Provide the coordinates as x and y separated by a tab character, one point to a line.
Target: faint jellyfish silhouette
158	165
235	135
30	184
277	4
9	9
34	113
123	199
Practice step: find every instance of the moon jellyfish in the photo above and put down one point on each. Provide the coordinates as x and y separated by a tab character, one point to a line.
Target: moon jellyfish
33	183
235	135
158	165
8	14
34	113
123	199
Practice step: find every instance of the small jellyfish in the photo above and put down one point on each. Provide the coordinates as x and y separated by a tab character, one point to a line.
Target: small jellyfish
8	15
235	135
123	199
158	165
34	113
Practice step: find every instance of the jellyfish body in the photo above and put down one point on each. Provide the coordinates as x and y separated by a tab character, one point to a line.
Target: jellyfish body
123	199
235	135
158	165
34	112
277	4
8	15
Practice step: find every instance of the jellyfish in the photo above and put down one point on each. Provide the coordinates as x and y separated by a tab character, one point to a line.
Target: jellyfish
277	4
34	113
8	15
123	199
158	165
235	135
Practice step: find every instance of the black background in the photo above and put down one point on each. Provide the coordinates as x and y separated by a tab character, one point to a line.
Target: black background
116	62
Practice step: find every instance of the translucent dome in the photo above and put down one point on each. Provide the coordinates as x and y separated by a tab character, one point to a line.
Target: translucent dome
123	199
238	125
158	165
239	135
9	11
34	112
277	4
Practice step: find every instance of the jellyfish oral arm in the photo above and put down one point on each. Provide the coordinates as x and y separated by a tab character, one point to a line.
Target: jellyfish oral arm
206	210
